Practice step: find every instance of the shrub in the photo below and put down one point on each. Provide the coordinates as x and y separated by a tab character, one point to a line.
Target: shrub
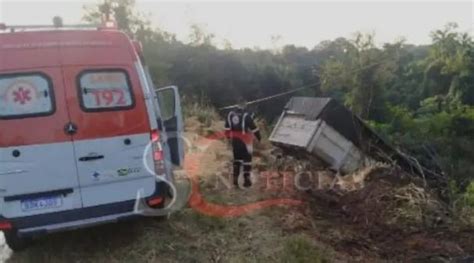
202	110
301	249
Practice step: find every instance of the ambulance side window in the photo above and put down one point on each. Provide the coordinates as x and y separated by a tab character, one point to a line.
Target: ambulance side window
26	95
166	99
105	90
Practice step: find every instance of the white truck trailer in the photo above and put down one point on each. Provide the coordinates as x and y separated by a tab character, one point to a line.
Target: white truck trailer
303	125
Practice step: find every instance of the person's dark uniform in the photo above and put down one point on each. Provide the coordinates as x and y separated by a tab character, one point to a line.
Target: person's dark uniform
240	128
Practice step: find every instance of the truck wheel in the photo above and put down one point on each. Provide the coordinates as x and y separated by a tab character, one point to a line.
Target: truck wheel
15	242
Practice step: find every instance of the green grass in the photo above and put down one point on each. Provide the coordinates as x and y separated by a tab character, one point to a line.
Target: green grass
185	236
301	249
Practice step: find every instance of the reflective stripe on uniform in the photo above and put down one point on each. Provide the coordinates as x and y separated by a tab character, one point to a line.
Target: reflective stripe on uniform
243	123
229	119
249	148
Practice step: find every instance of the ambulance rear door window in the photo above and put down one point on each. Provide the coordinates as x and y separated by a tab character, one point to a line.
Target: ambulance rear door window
25	95
105	90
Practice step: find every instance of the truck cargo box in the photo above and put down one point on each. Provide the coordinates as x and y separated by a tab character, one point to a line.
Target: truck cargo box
316	136
327	129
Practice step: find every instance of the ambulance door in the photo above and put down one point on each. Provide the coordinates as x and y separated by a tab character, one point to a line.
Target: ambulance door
38	170
170	108
112	133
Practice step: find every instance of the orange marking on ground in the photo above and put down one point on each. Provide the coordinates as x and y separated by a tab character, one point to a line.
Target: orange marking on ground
199	204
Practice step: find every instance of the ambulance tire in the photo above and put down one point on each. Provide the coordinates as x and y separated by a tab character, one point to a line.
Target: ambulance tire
15	242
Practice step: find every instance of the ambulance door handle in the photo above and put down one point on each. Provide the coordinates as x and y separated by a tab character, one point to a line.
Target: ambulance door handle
91	158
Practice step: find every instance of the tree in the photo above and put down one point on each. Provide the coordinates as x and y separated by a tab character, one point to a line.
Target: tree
359	73
449	67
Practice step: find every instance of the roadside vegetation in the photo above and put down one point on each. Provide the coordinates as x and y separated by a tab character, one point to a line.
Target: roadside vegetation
420	98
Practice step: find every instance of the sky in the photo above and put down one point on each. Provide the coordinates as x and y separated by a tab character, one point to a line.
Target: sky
271	24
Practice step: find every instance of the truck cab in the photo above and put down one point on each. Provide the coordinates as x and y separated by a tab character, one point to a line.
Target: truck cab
81	130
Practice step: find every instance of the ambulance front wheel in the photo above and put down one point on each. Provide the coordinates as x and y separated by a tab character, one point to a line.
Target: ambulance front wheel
15	242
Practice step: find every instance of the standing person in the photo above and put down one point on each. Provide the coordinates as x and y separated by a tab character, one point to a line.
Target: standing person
240	129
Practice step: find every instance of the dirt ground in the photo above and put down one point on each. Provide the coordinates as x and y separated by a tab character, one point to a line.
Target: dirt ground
368	217
368	230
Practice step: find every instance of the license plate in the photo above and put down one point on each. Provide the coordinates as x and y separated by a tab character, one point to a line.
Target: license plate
41	203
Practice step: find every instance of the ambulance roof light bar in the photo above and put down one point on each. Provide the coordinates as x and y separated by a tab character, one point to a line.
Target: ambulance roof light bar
109	24
13	28
58	24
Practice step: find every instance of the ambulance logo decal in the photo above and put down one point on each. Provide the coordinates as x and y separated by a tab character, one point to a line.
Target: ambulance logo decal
96	176
235	119
122	172
22	93
127	171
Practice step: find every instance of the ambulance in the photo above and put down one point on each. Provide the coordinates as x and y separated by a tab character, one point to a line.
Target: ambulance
83	131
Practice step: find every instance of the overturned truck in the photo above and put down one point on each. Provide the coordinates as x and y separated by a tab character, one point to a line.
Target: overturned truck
327	129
